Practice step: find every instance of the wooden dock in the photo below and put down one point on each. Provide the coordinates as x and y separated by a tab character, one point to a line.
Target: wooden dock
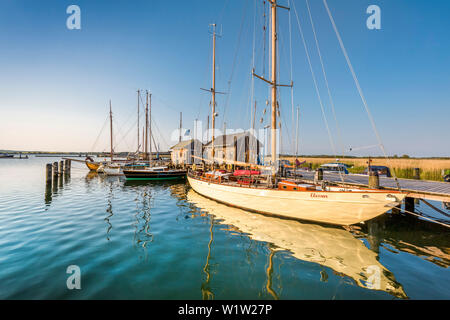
419	189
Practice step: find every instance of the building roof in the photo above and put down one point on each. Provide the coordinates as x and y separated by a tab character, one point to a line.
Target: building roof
184	144
228	140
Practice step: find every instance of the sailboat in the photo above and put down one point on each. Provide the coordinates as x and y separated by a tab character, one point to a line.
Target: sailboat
152	172
292	198
99	166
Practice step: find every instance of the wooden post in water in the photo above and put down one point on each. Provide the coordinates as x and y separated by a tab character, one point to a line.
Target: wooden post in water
61	167
55	169
374	180
48	173
67	167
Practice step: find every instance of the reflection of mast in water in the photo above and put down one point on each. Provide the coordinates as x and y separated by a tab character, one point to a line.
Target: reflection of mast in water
269	272
142	234
109	210
207	294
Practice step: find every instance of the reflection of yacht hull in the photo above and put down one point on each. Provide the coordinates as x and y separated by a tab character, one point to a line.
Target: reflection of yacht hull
332	247
339	208
154	175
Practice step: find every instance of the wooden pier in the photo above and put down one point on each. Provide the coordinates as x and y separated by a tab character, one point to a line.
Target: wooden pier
418	189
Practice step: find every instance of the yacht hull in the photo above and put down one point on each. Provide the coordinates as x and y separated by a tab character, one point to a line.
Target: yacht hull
338	208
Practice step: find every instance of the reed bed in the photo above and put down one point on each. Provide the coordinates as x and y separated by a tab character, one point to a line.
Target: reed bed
430	169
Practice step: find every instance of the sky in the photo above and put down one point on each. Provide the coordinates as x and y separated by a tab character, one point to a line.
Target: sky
56	83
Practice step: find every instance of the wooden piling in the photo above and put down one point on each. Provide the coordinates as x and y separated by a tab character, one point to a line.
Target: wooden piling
417	173
374	180
67	166
61	167
319	175
55	169
48	173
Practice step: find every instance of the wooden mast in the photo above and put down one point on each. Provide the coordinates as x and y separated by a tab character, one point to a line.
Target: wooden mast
111	129
138	145
150	124
213	91
296	134
146	127
253	118
181	124
274	87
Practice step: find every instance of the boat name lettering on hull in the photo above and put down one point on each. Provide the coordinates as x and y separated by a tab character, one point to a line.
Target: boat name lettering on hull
315	195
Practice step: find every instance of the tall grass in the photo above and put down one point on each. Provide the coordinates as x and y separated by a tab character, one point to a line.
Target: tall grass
430	169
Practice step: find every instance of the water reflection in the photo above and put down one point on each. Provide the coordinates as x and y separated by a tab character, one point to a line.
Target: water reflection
269	274
331	247
404	233
54	187
142	234
109	211
207	293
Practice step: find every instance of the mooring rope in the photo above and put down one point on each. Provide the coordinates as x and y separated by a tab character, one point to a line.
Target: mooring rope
433	207
418	215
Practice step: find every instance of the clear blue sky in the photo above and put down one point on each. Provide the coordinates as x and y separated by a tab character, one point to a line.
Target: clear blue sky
55	83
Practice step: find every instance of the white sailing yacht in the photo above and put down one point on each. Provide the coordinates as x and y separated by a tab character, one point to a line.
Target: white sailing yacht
290	198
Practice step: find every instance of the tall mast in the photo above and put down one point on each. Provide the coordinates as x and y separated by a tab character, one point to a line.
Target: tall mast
146	127
181	124
111	127
274	86
139	95
213	90
253	119
296	134
150	123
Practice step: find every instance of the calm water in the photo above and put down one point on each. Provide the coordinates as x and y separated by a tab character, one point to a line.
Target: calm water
163	241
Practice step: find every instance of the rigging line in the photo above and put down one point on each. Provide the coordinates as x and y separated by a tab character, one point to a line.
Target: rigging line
220	17
124	136
314	80
344	51
234	62
202	97
290	57
101	131
282	118
253	68
159	132
325	77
